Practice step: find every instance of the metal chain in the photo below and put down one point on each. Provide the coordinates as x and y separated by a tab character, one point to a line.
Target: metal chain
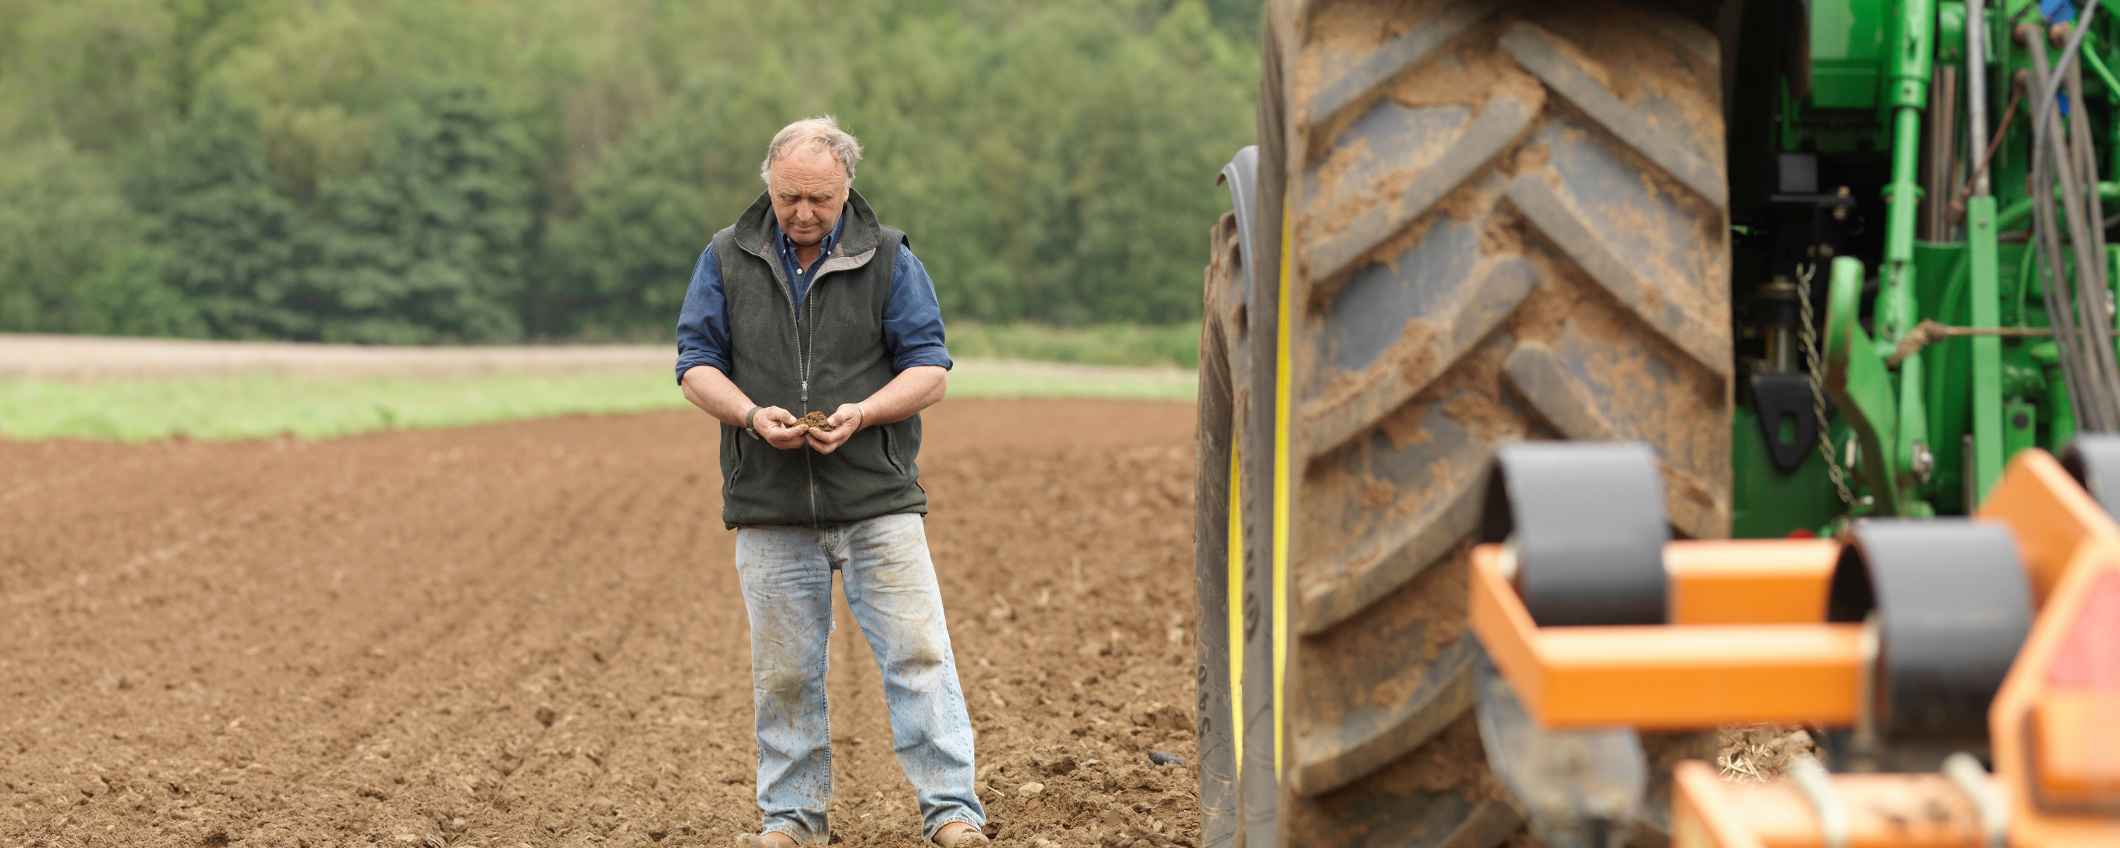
1818	392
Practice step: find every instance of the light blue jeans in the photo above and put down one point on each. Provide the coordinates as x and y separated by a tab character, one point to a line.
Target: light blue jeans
890	587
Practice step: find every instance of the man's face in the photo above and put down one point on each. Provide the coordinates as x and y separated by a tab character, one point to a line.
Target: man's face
809	189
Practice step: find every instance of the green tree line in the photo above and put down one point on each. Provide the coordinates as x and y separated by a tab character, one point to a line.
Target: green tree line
412	171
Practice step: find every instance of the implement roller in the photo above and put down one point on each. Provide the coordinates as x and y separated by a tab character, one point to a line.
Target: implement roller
1983	650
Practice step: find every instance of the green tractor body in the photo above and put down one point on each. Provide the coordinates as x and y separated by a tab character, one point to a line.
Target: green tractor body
1852	156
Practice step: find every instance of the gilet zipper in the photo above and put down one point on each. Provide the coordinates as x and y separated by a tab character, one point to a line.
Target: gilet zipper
807	354
803	356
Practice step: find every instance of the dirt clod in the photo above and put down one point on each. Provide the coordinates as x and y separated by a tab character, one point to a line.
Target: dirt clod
1761	752
1059	765
814	420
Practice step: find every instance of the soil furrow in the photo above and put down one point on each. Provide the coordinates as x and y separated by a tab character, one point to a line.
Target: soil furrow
529	634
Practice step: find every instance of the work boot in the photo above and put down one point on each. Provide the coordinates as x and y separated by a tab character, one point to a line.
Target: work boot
769	839
959	834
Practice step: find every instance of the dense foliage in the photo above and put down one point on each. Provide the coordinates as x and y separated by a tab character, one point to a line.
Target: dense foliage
406	171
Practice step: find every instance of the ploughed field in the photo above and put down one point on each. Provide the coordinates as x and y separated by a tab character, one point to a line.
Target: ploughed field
531	634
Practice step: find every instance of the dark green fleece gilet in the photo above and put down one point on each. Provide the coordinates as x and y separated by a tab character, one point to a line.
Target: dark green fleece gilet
827	352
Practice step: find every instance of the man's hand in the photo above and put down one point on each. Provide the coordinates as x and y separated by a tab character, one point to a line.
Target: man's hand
841	426
777	427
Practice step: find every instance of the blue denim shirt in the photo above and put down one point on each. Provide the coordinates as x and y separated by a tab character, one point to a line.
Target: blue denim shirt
798	276
912	316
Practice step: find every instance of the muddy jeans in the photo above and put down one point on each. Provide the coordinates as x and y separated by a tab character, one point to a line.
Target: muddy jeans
891	589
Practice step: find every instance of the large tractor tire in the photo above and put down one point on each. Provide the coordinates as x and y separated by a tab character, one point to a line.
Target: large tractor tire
1495	222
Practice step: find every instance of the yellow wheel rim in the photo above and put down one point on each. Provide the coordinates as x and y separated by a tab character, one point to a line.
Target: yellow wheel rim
1278	540
1281	381
1235	603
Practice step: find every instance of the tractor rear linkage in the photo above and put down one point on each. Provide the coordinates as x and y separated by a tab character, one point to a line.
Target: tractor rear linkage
1927	646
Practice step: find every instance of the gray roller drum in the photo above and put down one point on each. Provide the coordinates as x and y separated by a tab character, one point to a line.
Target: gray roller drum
1952	606
1586	523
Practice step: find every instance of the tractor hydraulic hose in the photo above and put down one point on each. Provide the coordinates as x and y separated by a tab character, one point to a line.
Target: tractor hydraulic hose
2089	283
2052	87
1976	87
2096	407
2085	166
2100	294
2091	291
2078	265
2049	250
2049	239
2046	239
2089	400
1987	157
1942	154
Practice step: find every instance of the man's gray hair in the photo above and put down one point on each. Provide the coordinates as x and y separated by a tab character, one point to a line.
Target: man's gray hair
820	132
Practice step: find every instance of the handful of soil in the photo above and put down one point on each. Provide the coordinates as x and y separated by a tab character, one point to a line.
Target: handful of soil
814	420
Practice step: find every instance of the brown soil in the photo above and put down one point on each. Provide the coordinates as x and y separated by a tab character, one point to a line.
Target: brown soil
530	634
1760	752
813	420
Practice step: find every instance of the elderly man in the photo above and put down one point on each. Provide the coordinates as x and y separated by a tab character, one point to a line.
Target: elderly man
809	304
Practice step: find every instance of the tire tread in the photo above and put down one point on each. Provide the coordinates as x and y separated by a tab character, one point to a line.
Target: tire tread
1493	354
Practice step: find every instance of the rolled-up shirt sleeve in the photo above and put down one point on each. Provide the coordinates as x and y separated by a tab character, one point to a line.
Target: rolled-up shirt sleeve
703	322
912	316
